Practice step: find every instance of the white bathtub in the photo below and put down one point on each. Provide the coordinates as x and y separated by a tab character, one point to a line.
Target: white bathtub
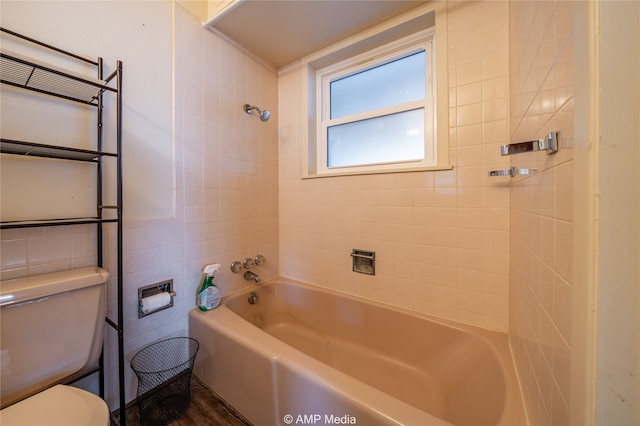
305	355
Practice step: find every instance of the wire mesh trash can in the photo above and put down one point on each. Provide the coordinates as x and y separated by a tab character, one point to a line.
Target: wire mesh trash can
164	379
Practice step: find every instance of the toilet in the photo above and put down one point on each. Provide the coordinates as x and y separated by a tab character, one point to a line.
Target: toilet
51	328
59	405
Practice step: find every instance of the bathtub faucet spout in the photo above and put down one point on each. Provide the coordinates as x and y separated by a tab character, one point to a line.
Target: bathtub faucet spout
250	276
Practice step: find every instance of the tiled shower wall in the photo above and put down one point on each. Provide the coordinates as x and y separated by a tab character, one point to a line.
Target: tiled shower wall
226	181
226	178
441	238
541	89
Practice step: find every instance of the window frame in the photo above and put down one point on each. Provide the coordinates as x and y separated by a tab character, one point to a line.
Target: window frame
432	15
390	52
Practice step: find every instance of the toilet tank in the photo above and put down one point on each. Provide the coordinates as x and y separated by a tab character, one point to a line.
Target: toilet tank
50	328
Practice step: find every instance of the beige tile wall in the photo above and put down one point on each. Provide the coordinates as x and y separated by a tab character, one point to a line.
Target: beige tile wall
39	250
441	238
541	206
226	181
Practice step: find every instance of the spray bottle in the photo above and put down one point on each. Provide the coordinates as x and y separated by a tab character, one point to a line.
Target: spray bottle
209	293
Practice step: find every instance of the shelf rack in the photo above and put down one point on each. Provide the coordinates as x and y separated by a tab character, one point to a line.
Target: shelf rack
33	75
33	149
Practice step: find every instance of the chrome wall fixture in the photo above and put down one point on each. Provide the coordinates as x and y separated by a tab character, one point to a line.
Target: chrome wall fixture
263	114
550	144
164	288
247	263
513	171
363	261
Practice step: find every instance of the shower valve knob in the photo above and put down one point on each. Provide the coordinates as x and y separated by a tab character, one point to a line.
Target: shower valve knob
236	266
247	263
259	260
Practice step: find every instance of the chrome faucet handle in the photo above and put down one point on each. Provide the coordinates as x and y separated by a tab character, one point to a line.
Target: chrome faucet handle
247	263
259	260
236	266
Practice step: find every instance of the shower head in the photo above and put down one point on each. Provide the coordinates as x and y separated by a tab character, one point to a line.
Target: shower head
263	114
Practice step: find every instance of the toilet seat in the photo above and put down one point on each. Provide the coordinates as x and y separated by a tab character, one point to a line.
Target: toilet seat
60	405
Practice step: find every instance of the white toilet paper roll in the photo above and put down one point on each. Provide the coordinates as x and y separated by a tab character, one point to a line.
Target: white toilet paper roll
156	301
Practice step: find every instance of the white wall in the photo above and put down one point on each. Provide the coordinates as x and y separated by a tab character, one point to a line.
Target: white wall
605	367
139	34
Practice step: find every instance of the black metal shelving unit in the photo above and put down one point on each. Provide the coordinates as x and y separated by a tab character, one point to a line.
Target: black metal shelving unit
29	74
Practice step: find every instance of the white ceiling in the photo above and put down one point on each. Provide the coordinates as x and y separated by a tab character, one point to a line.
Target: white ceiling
283	31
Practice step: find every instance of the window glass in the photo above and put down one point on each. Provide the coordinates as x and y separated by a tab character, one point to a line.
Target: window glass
388	84
385	139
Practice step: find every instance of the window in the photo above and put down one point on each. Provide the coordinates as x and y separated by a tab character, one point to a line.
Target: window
378	114
372	104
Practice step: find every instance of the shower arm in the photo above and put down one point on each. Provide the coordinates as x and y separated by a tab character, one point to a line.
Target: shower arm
248	108
263	114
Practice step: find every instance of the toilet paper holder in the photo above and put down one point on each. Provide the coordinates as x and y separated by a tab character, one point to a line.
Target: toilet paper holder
152	290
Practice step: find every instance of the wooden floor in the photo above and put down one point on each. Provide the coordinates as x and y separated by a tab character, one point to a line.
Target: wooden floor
206	408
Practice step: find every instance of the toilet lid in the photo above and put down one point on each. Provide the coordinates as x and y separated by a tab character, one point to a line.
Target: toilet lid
60	405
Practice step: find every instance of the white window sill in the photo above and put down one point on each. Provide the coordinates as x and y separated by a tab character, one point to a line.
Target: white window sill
376	172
